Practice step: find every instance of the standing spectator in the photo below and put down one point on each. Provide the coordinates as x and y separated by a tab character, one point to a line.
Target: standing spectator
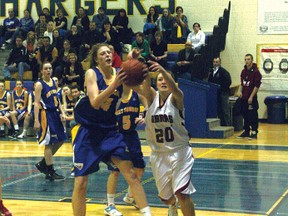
26	24
159	49
165	24
49	31
250	83
74	37
183	64
150	26
18	60
57	40
5	105
109	35
221	77
61	22
141	44
82	18
41	26
120	24
47	53
180	30
100	18
10	24
90	38
197	37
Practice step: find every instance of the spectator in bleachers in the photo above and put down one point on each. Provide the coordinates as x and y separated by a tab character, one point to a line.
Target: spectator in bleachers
29	117
46	11
41	25
120	24
10	25
158	49
150	26
196	37
184	62
5	105
74	73
61	22
18	60
49	31
57	40
62	60
142	44
100	18
116	60
74	37
165	25
18	105
26	24
68	103
181	29
82	18
109	36
90	38
47	53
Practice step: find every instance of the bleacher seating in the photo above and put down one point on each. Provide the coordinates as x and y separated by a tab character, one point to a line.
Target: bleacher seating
26	76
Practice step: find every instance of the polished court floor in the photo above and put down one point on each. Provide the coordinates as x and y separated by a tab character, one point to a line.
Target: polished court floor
232	177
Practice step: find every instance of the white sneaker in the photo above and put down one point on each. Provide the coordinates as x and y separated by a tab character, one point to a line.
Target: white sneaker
21	136
130	201
173	209
112	211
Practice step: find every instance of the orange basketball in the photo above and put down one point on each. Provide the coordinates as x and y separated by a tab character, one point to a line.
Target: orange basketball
134	71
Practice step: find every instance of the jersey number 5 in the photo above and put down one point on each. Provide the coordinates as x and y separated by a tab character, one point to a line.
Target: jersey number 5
164	135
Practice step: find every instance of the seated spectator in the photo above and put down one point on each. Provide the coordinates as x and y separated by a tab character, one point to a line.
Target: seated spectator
41	26
82	18
46	11
61	22
74	37
116	60
49	31
5	105
18	60
100	18
158	49
109	35
47	53
74	73
165	25
197	37
67	103
150	26
120	24
57	40
183	65
18	106
180	30
141	44
90	38
10	25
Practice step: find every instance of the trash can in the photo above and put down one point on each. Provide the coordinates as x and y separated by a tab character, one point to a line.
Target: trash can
276	107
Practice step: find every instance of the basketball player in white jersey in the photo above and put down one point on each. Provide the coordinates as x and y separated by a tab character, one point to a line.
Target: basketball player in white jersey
171	156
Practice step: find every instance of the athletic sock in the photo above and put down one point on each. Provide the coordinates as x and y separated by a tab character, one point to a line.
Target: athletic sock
110	199
146	211
16	127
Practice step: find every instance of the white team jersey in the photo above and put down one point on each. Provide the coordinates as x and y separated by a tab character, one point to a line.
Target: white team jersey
165	129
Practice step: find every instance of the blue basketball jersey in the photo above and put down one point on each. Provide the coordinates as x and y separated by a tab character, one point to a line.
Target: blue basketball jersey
127	112
49	99
104	117
3	100
19	99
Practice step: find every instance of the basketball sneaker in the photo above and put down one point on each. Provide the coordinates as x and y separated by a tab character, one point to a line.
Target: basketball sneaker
173	209
244	134
112	211
3	210
253	135
53	176
41	166
21	136
130	201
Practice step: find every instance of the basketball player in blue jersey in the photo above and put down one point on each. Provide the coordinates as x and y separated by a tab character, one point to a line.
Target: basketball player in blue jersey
30	113
48	113
128	118
96	138
171	156
19	106
5	104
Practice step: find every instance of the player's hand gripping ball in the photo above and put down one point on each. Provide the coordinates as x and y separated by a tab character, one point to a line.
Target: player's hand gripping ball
134	71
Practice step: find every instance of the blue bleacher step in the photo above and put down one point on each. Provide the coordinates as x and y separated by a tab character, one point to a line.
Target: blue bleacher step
213	122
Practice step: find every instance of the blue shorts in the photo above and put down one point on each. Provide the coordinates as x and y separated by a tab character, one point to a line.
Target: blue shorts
4	112
133	143
51	128
21	114
92	145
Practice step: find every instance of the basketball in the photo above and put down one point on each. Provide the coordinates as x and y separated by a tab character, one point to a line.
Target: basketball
134	71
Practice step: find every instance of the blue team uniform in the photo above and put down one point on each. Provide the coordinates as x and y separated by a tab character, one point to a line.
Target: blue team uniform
19	101
33	103
3	103
96	138
51	130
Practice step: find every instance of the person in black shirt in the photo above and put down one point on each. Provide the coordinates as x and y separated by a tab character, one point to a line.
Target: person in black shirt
158	49
84	20
120	25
